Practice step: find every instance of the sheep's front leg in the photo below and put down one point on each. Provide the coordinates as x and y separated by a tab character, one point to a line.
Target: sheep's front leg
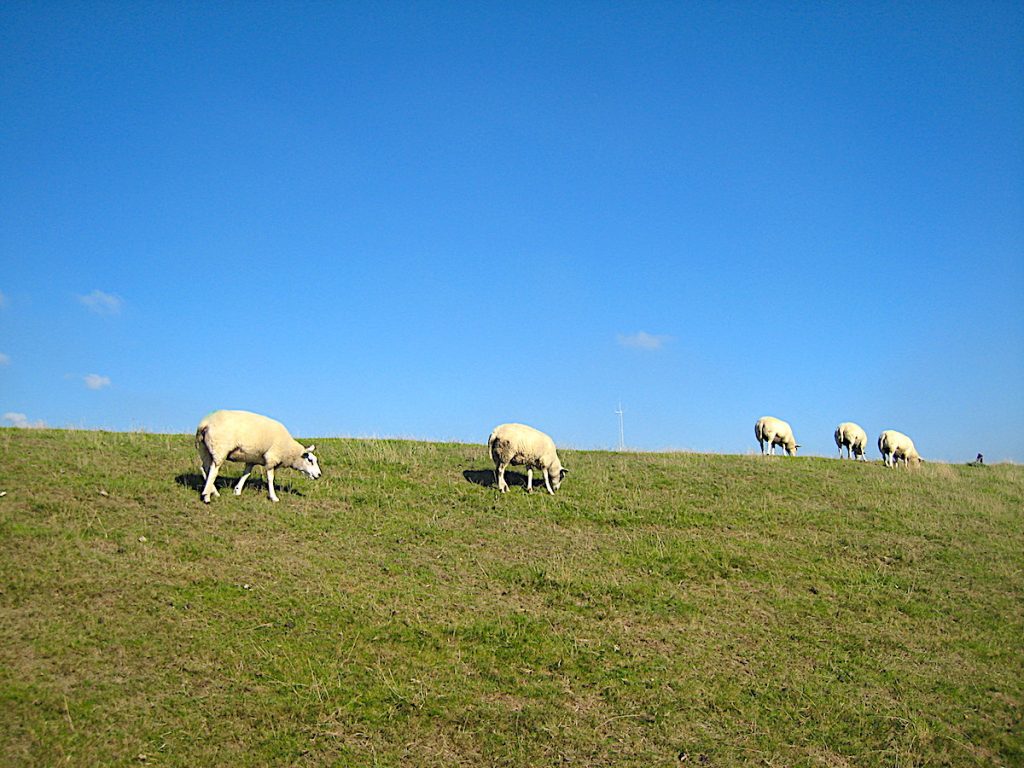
211	478
499	476
270	484
529	481
547	481
243	478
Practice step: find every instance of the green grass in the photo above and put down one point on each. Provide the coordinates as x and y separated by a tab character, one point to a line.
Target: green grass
661	610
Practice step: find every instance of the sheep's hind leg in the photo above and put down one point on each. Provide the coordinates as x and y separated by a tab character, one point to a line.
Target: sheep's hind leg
270	484
205	460
241	481
211	479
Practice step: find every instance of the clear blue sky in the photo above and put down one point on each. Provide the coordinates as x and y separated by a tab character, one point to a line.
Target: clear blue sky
425	219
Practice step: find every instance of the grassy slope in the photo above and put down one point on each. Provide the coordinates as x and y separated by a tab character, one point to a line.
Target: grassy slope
721	610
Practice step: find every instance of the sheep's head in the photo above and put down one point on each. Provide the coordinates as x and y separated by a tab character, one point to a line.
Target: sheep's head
557	473
791	448
308	463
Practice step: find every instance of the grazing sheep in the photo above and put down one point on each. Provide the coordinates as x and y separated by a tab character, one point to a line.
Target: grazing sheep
775	432
253	439
854	438
518	444
895	446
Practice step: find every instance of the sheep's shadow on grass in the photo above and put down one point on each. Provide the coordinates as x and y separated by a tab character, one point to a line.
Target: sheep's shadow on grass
196	482
485	477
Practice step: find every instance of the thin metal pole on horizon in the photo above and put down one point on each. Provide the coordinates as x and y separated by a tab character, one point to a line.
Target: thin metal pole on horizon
622	434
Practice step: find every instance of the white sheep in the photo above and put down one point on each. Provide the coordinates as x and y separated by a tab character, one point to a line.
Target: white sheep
775	432
253	439
519	445
895	446
854	438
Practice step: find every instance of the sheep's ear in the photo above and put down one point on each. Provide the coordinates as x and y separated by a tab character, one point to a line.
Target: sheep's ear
310	449
565	471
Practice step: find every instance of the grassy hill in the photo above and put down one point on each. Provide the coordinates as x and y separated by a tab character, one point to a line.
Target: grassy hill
661	610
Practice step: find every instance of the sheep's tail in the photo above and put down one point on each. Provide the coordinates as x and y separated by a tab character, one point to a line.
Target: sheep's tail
495	445
205	454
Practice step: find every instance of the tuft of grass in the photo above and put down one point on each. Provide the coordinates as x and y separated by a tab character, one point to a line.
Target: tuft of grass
661	609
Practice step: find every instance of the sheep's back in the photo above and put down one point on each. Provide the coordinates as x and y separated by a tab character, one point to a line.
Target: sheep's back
852	434
518	443
891	441
770	426
245	436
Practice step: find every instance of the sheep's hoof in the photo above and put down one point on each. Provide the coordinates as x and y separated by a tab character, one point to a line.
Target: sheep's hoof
238	491
206	499
274	499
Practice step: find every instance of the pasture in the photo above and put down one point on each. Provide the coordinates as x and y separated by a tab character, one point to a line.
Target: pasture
660	610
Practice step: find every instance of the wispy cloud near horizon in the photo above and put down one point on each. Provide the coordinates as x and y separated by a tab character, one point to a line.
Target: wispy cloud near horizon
102	303
21	421
4	359
95	381
643	340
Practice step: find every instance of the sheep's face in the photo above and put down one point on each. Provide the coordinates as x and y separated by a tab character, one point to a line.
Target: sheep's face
791	448
308	464
556	477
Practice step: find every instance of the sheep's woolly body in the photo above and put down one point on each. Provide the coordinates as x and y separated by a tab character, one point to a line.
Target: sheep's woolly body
253	440
520	445
895	447
771	431
854	438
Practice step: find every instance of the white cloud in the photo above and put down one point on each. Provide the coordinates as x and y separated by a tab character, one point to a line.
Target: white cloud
95	381
102	303
643	340
4	359
21	420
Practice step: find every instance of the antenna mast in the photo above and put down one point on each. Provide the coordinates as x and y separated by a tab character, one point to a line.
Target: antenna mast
622	434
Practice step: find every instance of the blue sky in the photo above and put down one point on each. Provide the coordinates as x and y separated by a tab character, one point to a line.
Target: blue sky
425	219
